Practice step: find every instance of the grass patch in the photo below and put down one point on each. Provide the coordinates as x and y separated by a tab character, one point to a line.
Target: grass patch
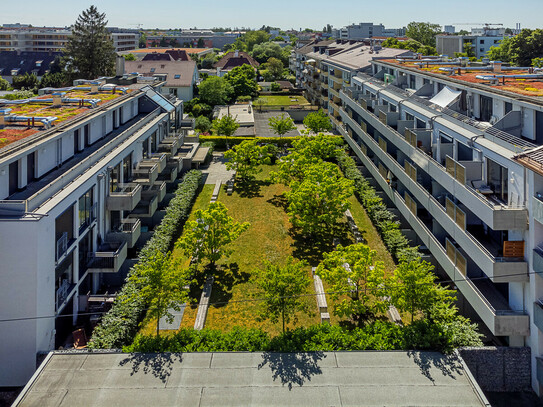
281	100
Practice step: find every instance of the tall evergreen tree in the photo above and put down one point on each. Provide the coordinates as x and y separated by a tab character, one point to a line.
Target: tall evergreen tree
90	52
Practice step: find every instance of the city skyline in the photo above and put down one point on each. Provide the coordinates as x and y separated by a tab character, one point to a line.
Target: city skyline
283	14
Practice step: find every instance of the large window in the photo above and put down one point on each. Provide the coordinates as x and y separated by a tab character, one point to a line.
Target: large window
114	178
127	168
486	108
86	210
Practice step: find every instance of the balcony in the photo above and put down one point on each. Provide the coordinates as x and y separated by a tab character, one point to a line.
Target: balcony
128	231
496	215
170	173
158	190
145	173
187	124
109	258
125	198
477	246
538	315
481	294
62	293
169	146
146	208
155	158
537	207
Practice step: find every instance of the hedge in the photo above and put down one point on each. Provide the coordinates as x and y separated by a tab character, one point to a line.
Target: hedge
383	220
379	335
120	324
220	142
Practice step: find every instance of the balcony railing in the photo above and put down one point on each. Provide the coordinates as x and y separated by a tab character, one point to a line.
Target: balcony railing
63	292
125	198
109	258
128	231
62	245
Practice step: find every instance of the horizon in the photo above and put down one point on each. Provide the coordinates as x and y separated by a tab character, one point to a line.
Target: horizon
242	13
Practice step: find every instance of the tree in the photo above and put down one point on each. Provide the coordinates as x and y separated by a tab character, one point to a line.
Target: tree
90	51
317	122
282	289
142	40
4	85
281	125
215	91
161	285
275	87
425	33
53	80
202	124
320	199
521	49
413	288
26	81
200	43
246	157
225	126
209	235
275	67
355	272
242	79
252	38
129	57
268	50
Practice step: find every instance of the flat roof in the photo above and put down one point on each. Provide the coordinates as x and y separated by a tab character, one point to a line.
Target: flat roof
64	113
530	87
391	378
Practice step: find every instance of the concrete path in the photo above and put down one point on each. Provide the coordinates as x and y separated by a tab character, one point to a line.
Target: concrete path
216	171
164	324
203	305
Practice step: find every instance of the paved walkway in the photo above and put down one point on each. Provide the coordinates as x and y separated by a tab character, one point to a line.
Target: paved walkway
216	171
164	324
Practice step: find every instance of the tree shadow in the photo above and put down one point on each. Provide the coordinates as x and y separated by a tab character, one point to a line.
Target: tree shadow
448	365
312	248
160	365
279	201
226	277
250	188
292	368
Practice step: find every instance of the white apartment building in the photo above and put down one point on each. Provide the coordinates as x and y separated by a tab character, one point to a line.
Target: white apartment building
32	39
454	150
81	187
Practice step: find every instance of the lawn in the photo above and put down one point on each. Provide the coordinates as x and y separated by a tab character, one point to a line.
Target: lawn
281	100
269	238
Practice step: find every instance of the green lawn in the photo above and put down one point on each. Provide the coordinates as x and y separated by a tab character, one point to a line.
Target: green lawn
280	100
269	238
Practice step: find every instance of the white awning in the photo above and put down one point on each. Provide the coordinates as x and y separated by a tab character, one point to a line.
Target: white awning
310	61
446	97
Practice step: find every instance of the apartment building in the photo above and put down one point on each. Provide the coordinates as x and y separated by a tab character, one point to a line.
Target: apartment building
456	152
85	175
363	31
33	39
479	41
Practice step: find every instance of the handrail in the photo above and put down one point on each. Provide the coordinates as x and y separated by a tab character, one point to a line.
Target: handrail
75	172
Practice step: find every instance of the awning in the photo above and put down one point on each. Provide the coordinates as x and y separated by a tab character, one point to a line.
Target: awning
446	97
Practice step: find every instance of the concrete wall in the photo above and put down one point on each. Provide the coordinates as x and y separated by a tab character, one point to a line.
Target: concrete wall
499	369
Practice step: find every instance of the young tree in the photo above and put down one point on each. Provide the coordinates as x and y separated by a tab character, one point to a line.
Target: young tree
90	50
413	288
424	33
275	67
317	122
129	57
207	237
225	126
355	272
281	125
4	85
27	81
162	285
242	79
53	80
320	199
215	91
202	124
246	157
282	289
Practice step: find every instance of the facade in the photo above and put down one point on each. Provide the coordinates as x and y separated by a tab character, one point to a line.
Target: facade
450	44
455	155
363	31
84	178
31	39
179	77
193	37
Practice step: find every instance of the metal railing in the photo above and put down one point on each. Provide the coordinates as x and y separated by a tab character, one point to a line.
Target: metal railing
62	245
62	293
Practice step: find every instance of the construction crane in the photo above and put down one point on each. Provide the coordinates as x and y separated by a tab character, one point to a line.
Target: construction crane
486	25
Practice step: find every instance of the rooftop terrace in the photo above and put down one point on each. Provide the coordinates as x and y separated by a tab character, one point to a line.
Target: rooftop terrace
22	118
522	81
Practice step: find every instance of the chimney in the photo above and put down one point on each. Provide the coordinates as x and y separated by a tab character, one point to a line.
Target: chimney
119	66
57	99
496	66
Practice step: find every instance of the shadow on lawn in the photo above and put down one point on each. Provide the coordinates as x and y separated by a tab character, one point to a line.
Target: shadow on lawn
279	201
250	188
311	248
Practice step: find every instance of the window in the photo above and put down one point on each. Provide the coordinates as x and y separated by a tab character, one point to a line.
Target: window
152	70
486	108
481	41
177	76
481	50
162	66
409	116
86	214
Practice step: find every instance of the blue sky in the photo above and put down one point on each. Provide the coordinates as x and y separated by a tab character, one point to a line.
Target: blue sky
283	13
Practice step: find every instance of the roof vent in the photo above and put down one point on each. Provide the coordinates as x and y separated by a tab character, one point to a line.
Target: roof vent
496	66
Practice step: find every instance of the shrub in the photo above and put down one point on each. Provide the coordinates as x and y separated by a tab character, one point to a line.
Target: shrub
220	142
120	324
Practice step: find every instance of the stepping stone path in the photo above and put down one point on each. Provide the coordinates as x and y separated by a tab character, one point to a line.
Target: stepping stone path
164	324
321	297
216	191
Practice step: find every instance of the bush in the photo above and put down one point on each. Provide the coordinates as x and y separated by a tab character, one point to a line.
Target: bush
120	324
383	220
22	94
220	142
379	335
244	98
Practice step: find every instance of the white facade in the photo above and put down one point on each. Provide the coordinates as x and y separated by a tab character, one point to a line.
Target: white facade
71	206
